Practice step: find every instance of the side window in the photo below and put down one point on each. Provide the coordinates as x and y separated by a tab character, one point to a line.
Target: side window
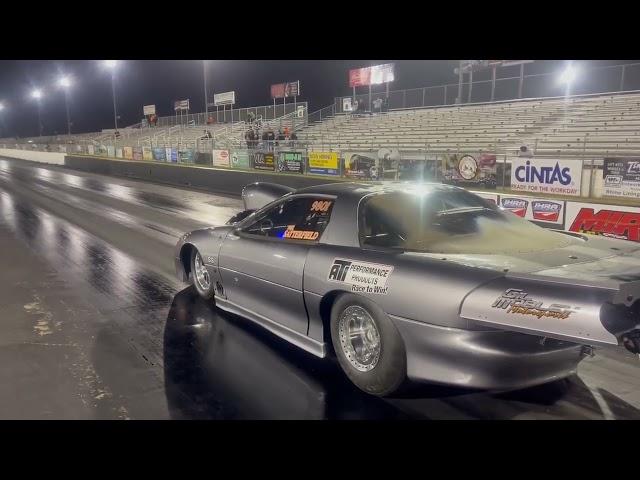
302	218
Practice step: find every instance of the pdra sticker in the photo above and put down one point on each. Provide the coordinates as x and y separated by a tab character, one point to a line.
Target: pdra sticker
363	277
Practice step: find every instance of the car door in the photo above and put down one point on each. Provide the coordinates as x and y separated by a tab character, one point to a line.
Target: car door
262	263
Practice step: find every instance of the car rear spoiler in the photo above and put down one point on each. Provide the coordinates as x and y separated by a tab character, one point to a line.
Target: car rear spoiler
257	195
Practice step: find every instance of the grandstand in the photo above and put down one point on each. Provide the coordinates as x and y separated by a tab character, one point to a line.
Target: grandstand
588	126
596	125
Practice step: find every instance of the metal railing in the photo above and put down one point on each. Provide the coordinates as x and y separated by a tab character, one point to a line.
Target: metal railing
229	115
597	80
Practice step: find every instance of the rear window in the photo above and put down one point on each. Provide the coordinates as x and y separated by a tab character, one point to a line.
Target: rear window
448	221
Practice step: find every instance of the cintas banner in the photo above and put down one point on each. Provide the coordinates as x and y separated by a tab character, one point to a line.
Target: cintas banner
544	175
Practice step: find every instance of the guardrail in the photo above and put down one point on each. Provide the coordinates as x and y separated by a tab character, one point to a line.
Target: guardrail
302	158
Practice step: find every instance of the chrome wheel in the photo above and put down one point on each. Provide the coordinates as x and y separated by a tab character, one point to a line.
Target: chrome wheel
201	273
359	338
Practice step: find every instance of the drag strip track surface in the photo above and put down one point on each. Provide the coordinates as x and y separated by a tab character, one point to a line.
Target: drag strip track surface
93	323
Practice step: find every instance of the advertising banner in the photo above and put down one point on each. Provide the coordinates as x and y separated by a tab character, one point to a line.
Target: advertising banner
539	210
543	175
119	153
226	98
185	155
365	166
128	153
611	221
181	105
240	158
323	163
361	77
137	153
290	162
111	151
622	177
147	153
160	154
221	158
149	110
62	148
470	170
90	150
282	90
263	161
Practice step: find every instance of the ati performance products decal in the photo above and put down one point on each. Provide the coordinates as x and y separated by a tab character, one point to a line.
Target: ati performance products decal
545	210
515	205
293	234
515	301
363	277
608	223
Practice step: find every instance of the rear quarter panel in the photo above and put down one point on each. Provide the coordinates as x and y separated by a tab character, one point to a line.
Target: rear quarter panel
420	289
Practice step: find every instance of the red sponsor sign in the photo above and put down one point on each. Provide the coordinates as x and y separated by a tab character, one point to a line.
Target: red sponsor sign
608	223
281	90
359	77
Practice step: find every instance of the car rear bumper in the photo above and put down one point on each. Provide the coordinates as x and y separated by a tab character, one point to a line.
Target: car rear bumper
484	359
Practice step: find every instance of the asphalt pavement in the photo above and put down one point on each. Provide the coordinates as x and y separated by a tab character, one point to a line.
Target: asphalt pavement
94	325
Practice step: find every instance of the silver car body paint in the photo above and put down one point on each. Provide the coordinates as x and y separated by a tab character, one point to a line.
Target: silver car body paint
441	304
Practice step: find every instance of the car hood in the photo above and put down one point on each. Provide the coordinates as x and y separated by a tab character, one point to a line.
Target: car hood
589	259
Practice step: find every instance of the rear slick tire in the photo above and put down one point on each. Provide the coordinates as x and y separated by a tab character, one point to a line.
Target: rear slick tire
368	346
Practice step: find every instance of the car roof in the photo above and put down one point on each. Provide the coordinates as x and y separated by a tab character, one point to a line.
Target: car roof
361	189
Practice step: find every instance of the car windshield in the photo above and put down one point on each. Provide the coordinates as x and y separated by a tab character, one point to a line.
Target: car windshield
449	221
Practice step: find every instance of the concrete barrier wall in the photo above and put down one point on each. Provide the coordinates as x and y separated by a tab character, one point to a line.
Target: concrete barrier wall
215	180
54	158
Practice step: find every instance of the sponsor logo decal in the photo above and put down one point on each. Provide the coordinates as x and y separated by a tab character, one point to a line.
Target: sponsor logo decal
363	277
633	167
613	180
608	223
468	167
545	210
515	205
293	234
517	301
545	175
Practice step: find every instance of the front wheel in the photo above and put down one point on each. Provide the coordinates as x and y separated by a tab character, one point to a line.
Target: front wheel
200	276
369	348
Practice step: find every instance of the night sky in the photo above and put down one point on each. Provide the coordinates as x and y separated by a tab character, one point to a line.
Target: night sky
160	82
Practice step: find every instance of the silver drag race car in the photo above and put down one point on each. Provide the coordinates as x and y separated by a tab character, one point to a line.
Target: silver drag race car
417	281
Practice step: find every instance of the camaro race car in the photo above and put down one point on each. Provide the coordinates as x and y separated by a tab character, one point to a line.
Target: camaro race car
425	282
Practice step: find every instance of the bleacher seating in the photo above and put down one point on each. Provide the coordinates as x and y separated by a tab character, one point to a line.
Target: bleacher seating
586	126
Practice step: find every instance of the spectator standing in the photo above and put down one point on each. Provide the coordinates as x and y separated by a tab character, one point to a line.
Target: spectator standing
271	136
293	137
377	105
281	137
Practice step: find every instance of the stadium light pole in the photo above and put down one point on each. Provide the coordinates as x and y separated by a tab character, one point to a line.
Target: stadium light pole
36	94
65	82
111	65
206	99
